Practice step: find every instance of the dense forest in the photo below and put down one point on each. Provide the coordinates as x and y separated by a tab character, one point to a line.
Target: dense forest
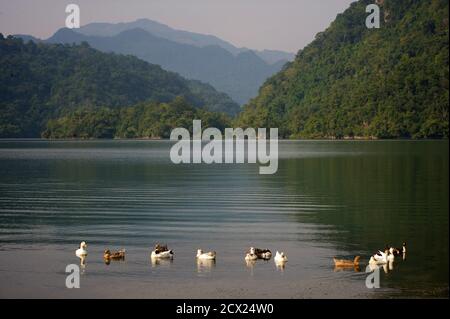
144	120
40	81
352	81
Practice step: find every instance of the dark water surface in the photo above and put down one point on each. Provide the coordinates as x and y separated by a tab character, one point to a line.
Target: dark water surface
327	199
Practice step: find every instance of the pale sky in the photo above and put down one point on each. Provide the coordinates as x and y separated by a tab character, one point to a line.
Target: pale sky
286	25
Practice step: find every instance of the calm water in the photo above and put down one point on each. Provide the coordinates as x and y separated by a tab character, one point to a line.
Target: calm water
327	199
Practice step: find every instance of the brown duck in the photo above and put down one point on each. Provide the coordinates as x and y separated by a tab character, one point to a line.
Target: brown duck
346	263
118	255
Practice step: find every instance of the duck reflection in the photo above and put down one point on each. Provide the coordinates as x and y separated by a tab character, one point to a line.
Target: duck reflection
280	265
205	265
250	263
82	263
391	265
160	262
387	267
345	264
354	268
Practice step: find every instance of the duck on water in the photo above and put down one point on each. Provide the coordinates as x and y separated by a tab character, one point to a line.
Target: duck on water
161	252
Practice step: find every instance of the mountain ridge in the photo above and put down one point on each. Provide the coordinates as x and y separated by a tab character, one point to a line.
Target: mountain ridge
239	76
180	36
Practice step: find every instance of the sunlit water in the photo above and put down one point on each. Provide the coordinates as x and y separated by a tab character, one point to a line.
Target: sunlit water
327	199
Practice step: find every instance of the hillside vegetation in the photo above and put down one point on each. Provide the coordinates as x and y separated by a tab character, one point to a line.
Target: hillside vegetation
144	120
352	81
40	81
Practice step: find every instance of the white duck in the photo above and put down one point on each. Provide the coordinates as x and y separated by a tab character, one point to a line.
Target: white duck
382	258
82	251
206	256
280	257
250	257
168	254
161	252
378	259
391	257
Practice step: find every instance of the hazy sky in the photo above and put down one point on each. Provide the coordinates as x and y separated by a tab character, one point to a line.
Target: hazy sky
258	24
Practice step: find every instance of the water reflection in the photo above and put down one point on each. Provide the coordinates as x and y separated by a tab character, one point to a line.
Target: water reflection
378	193
387	267
250	265
280	264
108	260
342	198
354	268
165	262
391	265
82	263
205	265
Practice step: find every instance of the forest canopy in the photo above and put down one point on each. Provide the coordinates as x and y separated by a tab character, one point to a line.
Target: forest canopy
145	120
352	81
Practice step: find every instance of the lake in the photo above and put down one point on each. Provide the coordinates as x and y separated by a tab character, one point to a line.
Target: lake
328	198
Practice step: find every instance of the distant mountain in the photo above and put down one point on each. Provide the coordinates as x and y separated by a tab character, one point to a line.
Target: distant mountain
26	38
239	75
42	81
179	36
351	81
157	29
275	56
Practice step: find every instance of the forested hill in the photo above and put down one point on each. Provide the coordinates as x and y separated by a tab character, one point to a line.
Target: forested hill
144	120
357	82
43	81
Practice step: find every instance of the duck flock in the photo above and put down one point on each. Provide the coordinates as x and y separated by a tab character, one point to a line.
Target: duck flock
380	258
163	252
